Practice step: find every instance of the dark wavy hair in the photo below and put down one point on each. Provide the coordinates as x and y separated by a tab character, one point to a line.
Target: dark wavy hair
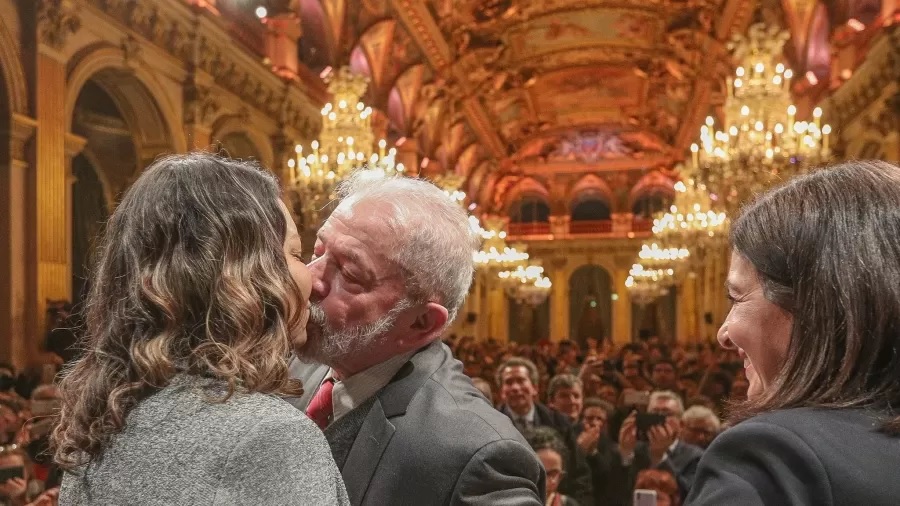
826	249
190	278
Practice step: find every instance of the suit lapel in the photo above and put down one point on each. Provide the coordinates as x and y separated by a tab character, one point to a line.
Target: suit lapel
311	375
373	438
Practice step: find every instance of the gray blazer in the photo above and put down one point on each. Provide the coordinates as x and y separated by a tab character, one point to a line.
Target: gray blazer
178	448
430	438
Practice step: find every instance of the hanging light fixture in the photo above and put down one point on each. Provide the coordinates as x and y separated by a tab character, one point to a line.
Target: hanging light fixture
761	143
691	224
346	143
646	285
527	284
495	254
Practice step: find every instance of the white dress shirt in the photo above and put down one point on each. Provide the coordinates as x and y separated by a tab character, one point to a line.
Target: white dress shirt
357	389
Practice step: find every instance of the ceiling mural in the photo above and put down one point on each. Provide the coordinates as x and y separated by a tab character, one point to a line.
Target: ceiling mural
555	89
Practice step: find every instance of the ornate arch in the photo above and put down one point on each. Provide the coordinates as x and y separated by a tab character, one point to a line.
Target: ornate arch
236	124
654	182
526	187
148	110
13	73
590	185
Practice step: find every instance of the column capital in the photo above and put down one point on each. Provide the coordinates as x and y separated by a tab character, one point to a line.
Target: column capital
56	20
22	129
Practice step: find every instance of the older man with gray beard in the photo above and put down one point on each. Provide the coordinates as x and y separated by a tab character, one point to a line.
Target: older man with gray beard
391	268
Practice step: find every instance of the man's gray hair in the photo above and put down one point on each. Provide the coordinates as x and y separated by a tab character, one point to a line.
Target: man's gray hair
668	395
702	413
430	236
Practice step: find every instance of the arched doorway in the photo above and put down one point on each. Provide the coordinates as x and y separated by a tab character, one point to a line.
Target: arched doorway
528	324
124	131
590	304
656	319
89	213
239	146
530	209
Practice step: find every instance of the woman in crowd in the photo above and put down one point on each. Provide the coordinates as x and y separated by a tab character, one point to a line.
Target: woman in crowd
198	295
552	451
815	285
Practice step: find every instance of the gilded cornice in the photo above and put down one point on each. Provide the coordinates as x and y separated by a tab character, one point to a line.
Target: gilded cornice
880	69
200	40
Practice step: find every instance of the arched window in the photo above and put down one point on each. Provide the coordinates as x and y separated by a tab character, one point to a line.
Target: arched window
591	208
649	204
530	210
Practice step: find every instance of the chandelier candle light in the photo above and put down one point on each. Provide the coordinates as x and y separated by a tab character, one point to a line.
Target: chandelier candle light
346	143
761	142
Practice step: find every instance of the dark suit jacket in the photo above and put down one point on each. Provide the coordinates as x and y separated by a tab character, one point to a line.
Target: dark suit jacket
576	482
432	438
801	457
608	476
682	462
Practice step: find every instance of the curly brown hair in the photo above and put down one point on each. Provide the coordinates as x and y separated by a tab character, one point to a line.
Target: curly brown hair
190	278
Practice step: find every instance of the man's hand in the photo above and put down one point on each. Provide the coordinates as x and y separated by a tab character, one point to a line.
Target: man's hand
587	440
628	436
661	437
13	488
48	498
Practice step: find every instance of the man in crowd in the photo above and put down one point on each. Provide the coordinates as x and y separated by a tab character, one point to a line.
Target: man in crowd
391	267
609	477
699	426
663	448
517	378
565	394
663	375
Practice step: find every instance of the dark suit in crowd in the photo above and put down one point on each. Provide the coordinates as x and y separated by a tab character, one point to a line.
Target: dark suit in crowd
609	477
681	461
428	437
576	483
801	457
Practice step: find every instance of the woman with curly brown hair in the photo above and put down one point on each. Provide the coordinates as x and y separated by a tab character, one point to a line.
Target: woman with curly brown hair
197	298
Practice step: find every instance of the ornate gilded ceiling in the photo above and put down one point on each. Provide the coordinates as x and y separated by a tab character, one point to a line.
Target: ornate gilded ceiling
537	94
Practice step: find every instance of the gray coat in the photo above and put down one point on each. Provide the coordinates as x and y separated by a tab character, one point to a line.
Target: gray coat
429	438
180	449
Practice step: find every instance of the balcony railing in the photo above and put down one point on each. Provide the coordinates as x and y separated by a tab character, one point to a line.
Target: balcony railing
529	228
638	226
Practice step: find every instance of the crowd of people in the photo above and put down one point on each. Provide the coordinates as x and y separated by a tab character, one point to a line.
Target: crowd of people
216	367
590	400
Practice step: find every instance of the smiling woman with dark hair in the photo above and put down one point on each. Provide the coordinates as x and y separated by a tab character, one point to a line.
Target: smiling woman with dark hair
197	297
815	286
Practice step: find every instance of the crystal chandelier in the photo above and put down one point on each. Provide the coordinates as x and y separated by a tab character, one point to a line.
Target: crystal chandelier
690	224
656	257
495	254
451	183
527	284
646	285
346	143
761	143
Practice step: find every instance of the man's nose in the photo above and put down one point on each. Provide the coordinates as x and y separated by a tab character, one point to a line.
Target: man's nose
320	285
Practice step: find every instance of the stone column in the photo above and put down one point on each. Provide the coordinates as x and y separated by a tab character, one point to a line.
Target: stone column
17	320
498	315
559	225
56	19
686	302
621	309
559	299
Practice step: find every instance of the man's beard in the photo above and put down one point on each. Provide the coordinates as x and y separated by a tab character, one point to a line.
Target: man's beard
330	346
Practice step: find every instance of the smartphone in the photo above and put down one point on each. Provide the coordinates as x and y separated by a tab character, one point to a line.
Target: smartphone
644	497
8	473
636	398
644	421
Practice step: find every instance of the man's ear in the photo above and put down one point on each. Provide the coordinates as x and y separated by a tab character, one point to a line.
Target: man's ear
428	323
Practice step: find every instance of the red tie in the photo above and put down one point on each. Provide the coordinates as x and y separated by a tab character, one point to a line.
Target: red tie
320	407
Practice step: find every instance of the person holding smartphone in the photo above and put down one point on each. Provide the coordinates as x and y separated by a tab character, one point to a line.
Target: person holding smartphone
652	440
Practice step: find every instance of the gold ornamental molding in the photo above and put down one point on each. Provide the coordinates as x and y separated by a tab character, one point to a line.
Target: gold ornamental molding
880	69
427	34
56	20
195	37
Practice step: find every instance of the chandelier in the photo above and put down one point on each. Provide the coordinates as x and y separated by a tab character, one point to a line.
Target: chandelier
451	183
527	284
658	257
761	143
346	143
691	224
646	285
495	254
